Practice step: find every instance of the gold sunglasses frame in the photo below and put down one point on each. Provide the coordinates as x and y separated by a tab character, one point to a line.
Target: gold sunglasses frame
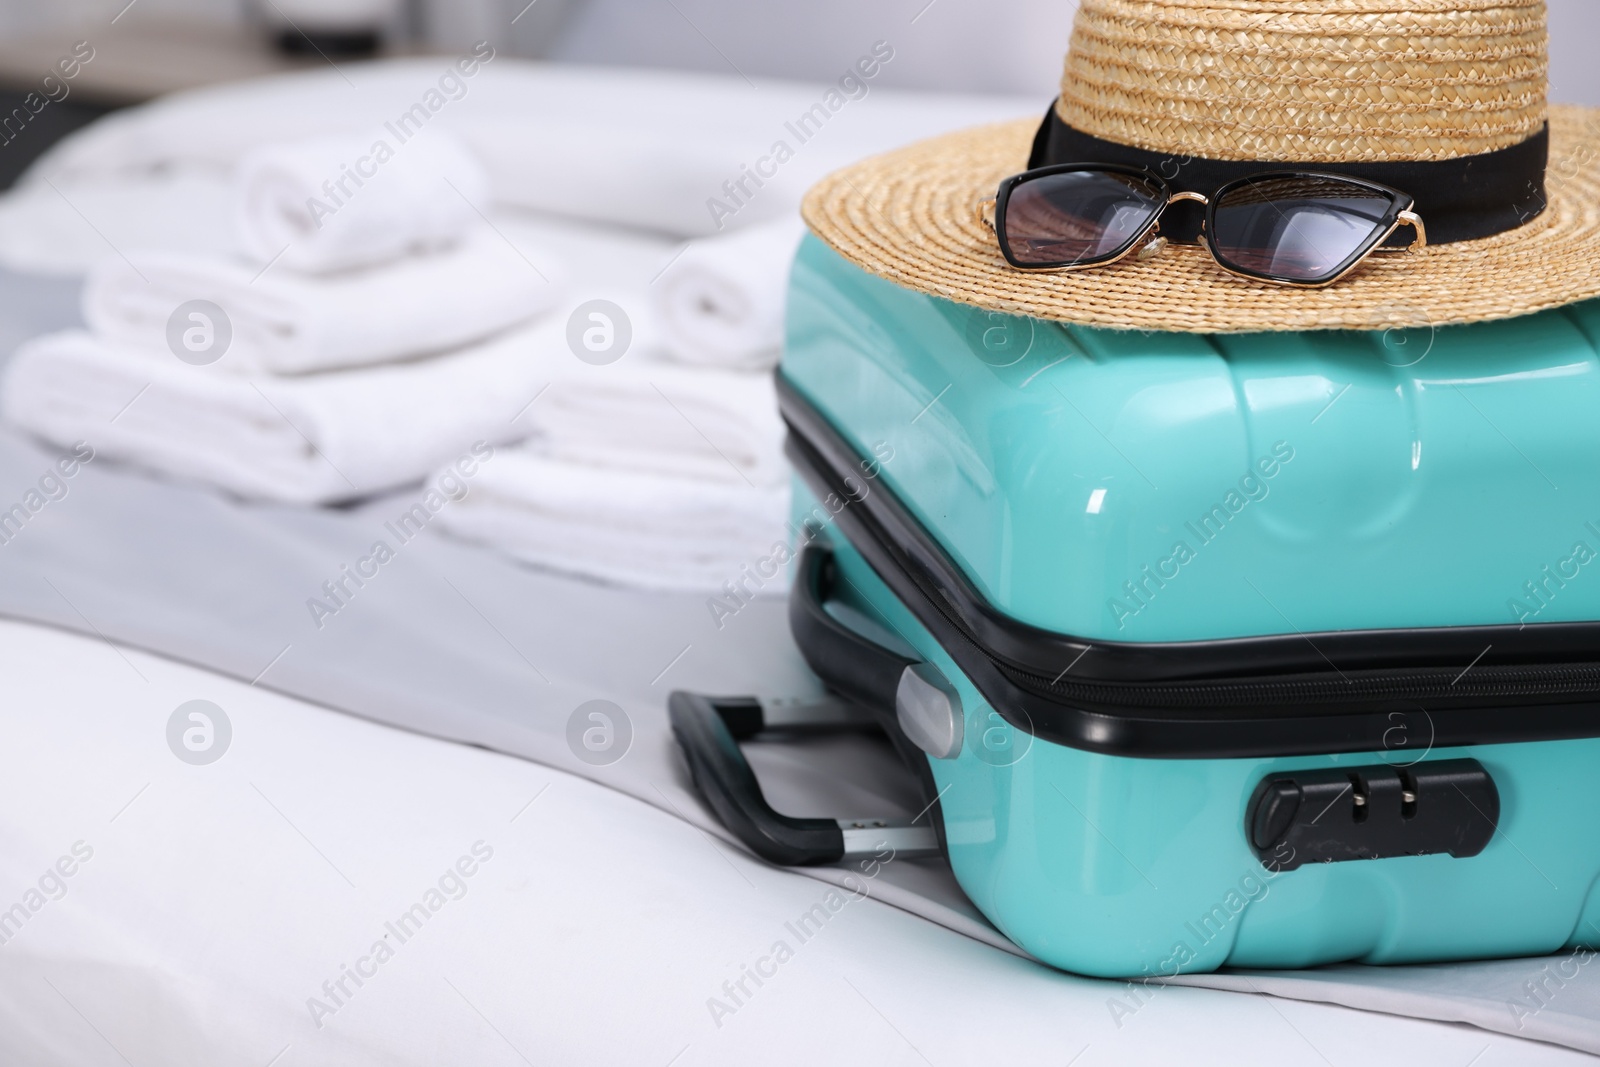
1148	244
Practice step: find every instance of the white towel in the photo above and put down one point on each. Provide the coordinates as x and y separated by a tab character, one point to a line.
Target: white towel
655	417
333	203
288	323
644	148
721	302
653	531
315	439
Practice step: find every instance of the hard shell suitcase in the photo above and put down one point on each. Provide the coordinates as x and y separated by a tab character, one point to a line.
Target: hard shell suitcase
1263	650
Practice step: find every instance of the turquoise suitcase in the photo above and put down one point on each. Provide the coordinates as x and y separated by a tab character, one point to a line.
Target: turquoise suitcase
1265	650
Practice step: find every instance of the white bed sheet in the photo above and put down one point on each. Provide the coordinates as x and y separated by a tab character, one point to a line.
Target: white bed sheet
219	898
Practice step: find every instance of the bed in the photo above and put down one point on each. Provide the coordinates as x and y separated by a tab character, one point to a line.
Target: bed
336	889
216	902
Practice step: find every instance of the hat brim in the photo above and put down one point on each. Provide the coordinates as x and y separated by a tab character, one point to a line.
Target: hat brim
909	216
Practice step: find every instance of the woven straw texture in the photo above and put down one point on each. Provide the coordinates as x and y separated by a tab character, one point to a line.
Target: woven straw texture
1308	81
909	216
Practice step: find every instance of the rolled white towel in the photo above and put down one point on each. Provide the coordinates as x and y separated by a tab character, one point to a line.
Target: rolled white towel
656	417
315	439
653	149
288	323
721	302
334	203
621	526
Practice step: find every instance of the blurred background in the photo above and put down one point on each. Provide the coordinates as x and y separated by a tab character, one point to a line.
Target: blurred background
149	47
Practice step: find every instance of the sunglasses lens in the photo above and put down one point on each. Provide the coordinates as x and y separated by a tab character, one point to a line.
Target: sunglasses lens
1077	217
1298	228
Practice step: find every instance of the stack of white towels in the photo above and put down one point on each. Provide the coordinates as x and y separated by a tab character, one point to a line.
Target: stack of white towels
375	326
663	469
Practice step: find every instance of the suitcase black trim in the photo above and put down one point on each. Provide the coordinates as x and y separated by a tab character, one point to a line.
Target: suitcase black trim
1350	691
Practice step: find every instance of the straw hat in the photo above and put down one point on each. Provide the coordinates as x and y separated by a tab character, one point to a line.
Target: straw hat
1444	99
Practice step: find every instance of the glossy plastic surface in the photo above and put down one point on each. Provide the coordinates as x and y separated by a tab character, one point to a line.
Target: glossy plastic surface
1158	487
1122	867
1317	481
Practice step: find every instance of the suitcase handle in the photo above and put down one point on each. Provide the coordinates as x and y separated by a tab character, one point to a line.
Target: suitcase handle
923	704
877	679
848	663
709	729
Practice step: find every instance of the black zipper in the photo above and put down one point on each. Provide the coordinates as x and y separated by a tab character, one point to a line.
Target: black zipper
1293	692
1361	687
1322	689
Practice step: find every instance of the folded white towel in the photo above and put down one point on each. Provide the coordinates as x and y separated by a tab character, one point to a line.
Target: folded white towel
721	302
645	148
653	531
655	417
315	439
333	203
288	323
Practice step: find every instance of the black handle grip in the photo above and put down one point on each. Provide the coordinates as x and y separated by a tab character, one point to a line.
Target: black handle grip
723	776
708	730
848	663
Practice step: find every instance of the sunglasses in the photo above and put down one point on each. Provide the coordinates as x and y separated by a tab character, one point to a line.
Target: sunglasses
1286	227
